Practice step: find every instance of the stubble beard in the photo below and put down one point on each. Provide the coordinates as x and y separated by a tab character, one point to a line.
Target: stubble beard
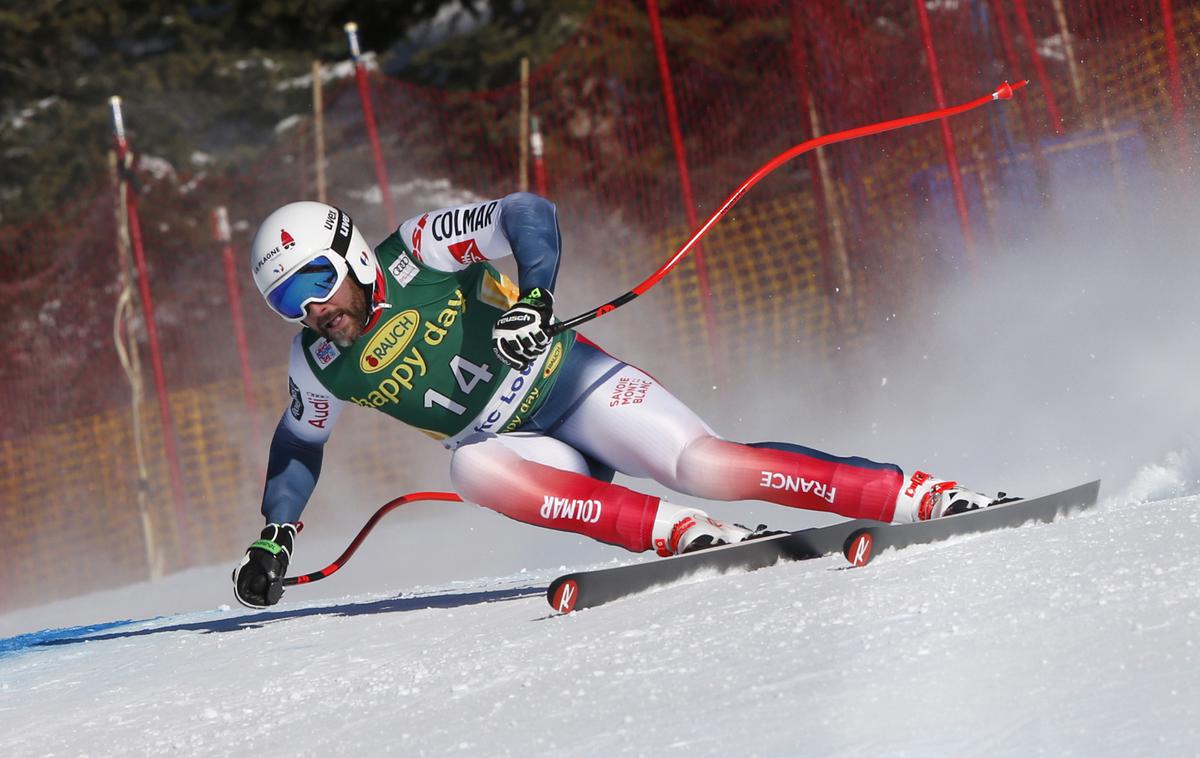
352	326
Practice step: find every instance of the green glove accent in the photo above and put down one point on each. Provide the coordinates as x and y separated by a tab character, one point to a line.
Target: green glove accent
271	547
537	298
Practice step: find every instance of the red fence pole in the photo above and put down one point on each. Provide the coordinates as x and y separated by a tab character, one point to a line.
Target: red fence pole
364	94
689	205
1039	68
1176	79
160	382
960	197
222	235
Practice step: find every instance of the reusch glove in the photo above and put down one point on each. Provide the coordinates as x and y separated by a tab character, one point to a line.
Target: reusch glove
258	579
519	335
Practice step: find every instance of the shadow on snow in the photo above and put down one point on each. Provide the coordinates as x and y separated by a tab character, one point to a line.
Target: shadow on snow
78	634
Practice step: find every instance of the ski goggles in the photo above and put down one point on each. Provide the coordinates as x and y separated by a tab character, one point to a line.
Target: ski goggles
314	282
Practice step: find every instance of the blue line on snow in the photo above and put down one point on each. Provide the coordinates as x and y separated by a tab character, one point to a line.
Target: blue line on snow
13	645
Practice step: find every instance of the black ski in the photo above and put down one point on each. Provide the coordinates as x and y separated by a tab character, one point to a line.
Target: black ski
872	537
858	540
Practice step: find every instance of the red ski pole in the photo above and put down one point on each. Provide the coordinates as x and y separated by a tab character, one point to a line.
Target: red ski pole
385	509
1004	92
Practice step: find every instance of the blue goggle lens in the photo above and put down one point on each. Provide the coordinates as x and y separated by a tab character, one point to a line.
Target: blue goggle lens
314	282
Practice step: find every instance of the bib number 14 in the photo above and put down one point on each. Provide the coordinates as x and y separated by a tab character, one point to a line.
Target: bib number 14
468	375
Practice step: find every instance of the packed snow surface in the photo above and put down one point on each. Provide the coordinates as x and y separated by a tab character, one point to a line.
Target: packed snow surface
1072	638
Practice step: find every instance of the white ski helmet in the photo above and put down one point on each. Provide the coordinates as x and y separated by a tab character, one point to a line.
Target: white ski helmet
296	235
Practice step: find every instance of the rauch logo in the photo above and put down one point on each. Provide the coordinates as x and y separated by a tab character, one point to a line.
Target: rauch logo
387	344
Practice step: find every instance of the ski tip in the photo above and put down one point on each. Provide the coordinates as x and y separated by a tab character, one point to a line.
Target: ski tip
563	595
859	548
1076	498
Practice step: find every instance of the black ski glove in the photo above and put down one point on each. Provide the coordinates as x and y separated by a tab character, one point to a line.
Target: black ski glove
519	335
258	579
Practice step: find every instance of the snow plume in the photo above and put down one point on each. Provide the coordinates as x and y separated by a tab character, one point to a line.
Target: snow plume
1176	475
1070	355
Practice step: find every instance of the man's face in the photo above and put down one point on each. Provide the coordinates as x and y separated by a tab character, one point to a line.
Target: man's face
339	319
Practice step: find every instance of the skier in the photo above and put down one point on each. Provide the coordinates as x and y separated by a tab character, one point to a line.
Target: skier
424	329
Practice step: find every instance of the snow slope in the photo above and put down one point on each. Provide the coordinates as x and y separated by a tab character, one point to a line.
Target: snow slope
1073	638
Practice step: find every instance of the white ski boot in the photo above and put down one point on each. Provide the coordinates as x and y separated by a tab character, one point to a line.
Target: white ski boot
923	498
679	529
